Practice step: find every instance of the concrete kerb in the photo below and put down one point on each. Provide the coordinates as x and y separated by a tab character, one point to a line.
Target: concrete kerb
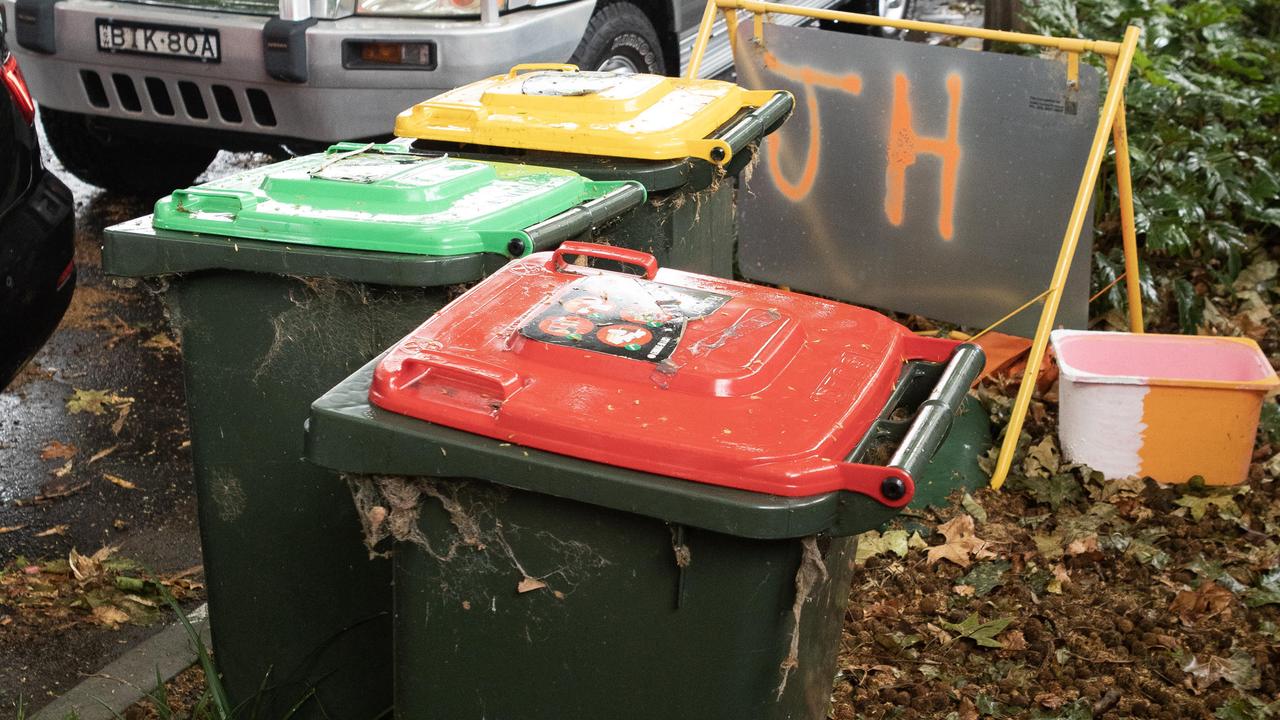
118	686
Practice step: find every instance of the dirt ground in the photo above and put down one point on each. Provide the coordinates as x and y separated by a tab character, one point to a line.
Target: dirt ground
1067	596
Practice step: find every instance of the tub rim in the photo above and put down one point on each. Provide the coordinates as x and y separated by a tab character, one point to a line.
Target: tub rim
1267	385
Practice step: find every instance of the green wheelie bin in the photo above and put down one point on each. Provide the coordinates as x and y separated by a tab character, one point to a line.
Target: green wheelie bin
280	281
631	496
687	141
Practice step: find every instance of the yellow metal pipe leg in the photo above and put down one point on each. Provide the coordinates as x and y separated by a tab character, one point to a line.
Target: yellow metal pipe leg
1110	109
731	22
1124	184
704	37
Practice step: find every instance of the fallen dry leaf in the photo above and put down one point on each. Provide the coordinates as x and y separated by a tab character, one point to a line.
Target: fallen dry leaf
119	481
1060	577
88	567
1206	601
94	402
1238	670
1042	459
55	530
82	567
62	471
161	342
1053	701
110	616
872	543
1081	546
56	450
961	543
123	411
53	492
10	528
101	454
1014	641
193	570
142	601
529	585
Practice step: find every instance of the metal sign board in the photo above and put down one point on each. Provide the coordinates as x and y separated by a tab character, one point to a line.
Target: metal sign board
917	178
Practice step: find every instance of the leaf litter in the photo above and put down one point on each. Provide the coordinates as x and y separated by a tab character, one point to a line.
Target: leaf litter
1071	597
99	589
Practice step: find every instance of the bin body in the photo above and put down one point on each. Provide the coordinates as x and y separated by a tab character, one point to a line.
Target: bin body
268	319
296	605
634	637
689	161
621	629
617	495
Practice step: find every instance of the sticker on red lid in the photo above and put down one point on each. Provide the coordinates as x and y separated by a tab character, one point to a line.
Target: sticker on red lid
622	316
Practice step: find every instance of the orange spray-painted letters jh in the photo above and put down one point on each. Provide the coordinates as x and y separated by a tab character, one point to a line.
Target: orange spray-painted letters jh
850	83
905	146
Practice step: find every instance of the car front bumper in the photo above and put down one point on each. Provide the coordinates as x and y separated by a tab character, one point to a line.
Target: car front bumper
238	95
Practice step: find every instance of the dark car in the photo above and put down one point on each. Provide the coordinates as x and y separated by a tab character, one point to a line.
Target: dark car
37	222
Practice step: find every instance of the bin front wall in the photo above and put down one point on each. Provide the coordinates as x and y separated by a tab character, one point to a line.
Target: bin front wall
690	231
620	630
295	603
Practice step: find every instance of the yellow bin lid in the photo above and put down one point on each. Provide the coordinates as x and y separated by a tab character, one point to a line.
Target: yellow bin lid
552	106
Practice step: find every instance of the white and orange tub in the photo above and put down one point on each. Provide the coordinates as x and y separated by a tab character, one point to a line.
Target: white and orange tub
1170	407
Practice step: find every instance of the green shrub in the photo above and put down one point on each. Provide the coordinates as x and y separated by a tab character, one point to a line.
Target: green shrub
1203	113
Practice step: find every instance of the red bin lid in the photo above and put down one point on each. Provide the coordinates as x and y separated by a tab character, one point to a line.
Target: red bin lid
683	375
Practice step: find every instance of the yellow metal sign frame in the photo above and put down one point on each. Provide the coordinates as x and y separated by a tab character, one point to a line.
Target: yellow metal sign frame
650	117
1111	122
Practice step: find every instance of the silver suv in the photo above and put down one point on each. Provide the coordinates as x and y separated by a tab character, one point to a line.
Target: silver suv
138	95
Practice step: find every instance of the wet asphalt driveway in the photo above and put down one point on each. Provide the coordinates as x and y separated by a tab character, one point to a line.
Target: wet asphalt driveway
94	451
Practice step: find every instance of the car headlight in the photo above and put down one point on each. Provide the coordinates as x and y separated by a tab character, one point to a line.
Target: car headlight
422	8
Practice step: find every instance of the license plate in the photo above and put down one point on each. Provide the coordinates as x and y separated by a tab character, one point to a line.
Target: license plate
171	41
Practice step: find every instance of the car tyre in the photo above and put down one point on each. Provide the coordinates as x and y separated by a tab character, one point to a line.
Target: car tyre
122	164
620	38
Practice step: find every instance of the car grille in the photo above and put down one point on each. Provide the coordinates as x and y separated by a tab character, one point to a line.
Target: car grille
153	97
247	7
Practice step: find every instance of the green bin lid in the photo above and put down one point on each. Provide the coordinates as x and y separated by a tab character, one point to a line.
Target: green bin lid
383	198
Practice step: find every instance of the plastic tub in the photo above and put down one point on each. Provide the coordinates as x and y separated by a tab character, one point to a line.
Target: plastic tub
1169	407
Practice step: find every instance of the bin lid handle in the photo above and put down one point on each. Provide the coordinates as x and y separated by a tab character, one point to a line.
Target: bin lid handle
488	379
211	200
604	252
526	67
